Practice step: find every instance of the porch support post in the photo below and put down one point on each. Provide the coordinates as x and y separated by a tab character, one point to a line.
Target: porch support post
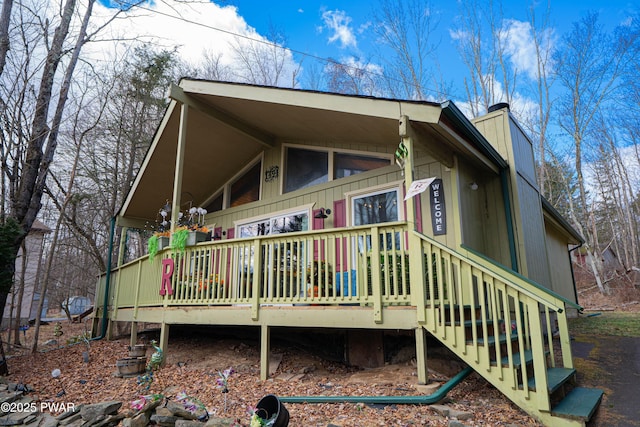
416	263
134	334
421	355
265	347
164	340
177	178
123	244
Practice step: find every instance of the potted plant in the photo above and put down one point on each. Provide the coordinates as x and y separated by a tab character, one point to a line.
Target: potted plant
191	229
317	274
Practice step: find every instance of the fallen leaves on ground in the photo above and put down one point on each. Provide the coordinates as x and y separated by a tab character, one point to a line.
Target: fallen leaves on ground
193	364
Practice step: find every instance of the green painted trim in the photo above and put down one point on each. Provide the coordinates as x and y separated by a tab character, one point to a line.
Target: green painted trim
467	128
504	179
523	278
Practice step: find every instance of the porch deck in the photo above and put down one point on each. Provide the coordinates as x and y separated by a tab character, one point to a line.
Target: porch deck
380	277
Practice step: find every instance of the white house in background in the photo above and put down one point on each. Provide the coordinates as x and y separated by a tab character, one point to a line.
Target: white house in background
27	267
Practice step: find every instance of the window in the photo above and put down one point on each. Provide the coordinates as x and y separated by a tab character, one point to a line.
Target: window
286	223
351	164
375	208
216	204
307	167
246	189
243	188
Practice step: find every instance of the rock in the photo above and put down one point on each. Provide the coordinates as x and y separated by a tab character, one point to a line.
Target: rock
69	413
14	419
441	409
219	422
428	389
274	362
455	423
139	420
164	412
70	419
110	420
11	397
47	420
51	342
93	411
31	418
179	410
460	415
165	421
189	423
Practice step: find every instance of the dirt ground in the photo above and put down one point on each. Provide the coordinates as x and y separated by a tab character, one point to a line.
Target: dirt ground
194	361
196	356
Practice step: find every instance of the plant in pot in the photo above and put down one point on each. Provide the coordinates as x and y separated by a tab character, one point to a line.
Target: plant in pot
191	229
319	278
160	238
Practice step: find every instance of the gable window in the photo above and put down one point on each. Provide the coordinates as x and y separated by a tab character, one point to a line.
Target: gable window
306	167
243	188
246	189
350	164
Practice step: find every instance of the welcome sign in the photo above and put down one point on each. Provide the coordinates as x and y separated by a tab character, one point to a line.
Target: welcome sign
438	211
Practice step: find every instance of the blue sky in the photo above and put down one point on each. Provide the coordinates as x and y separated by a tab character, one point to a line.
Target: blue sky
341	30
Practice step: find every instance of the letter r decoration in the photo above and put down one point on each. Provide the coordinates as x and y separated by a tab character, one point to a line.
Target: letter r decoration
167	271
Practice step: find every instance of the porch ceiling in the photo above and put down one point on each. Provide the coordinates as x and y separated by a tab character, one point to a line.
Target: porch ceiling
229	124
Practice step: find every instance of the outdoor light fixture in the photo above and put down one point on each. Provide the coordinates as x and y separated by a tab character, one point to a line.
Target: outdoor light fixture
473	186
323	213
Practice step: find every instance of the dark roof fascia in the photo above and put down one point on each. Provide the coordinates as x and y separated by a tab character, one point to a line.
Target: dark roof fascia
553	212
451	112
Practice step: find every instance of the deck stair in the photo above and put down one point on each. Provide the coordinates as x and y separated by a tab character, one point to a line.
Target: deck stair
509	330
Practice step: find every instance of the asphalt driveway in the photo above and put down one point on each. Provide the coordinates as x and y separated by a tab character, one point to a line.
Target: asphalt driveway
611	363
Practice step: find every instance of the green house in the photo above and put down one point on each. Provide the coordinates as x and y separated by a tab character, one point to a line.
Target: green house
358	213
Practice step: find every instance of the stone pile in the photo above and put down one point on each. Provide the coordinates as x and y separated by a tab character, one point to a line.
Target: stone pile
19	409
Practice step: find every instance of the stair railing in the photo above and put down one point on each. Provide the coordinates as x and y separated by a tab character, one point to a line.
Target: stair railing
496	320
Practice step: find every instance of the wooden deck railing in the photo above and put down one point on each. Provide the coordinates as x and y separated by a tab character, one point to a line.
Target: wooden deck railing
360	265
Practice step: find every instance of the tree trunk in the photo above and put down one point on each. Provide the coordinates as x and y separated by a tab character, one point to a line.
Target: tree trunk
5	19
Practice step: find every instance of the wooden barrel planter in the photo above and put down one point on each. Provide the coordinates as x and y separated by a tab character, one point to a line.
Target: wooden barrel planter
131	366
138	350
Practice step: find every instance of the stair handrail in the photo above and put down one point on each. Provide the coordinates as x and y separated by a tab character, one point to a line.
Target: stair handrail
507	275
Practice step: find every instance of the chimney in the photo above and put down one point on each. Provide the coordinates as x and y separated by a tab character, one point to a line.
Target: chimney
498	106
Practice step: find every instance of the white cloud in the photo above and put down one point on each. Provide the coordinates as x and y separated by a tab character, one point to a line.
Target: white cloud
521	49
192	28
339	23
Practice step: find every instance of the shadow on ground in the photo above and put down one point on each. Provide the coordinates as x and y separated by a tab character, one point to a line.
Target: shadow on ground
611	363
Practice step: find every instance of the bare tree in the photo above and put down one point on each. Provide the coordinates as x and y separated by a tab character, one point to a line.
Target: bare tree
590	68
407	29
353	77
480	36
5	19
265	62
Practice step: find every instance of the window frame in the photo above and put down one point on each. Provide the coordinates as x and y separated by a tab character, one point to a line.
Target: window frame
304	209
331	151
225	189
372	191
